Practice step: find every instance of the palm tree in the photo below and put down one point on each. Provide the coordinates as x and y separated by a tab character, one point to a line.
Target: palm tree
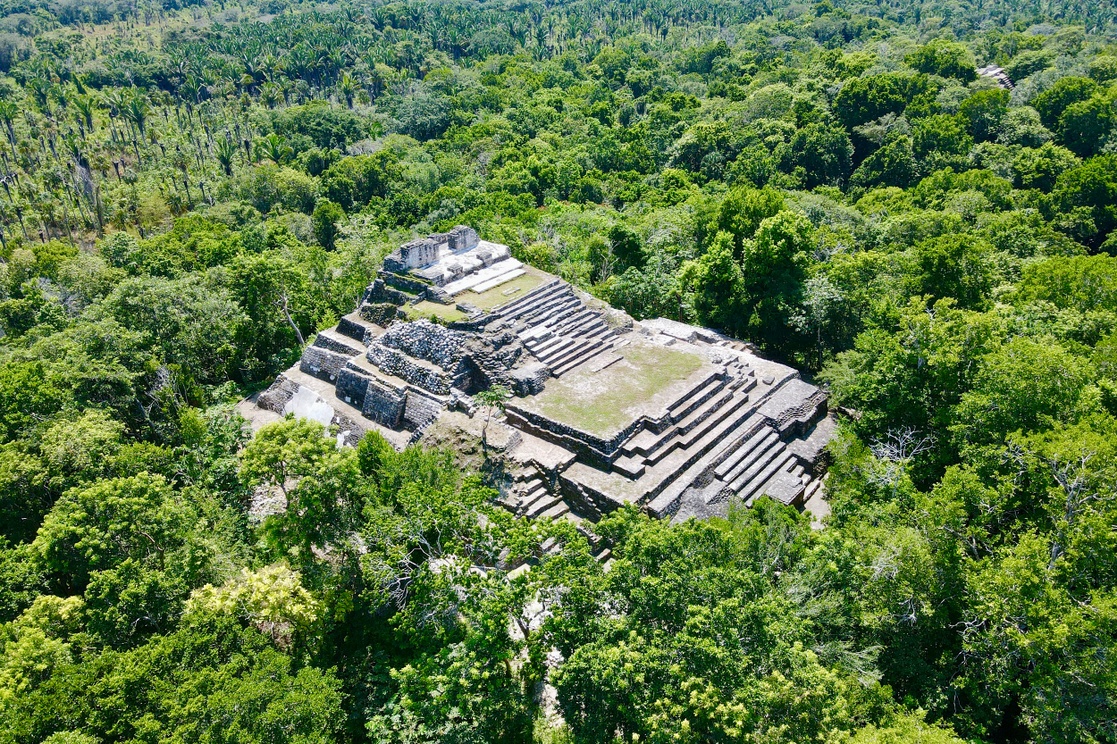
347	86
84	107
8	113
136	110
274	148
226	151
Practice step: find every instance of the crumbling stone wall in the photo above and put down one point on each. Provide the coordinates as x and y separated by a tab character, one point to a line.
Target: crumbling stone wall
351	387
322	363
384	405
400	365
425	340
421	252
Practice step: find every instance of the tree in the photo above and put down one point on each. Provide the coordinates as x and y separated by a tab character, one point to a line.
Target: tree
773	270
892	165
823	152
1085	126
104	524
985	110
742	211
1066	91
1090	189
944	58
319	485
492	399
717	282
327	216
941	140
1025	385
954	266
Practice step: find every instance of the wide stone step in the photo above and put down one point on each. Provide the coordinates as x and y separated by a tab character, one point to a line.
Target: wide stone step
541	505
562	346
712	447
687	439
542	346
753	488
686	401
357	328
530	501
599	330
583	318
596	351
748	447
330	339
543	314
559	319
707	408
745	472
557	510
577	348
521	302
748	454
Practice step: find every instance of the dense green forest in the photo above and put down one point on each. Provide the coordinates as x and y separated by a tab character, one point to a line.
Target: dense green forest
190	190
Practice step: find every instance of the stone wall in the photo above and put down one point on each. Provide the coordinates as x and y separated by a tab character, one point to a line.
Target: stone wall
380	292
380	313
332	343
463	238
351	386
421	252
384	405
425	340
323	363
275	397
420	410
529	379
400	365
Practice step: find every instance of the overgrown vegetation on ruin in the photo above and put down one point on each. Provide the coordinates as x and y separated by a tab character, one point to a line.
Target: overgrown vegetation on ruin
190	191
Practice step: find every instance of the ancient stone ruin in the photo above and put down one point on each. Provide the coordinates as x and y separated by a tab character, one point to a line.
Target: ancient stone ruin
676	419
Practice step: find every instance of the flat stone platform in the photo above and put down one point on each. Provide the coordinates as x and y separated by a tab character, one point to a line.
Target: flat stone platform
676	419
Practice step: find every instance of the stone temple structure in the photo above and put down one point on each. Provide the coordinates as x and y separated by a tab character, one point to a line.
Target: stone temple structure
676	419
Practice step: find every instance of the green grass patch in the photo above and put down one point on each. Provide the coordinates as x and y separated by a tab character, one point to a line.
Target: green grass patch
433	310
605	402
502	293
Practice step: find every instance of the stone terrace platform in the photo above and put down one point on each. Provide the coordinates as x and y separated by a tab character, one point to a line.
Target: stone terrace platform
676	419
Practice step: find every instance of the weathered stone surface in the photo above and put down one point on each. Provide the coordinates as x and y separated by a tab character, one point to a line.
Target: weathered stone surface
383	404
463	238
529	379
425	340
323	363
380	313
726	426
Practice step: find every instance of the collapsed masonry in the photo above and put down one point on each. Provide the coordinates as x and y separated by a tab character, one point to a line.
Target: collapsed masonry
677	419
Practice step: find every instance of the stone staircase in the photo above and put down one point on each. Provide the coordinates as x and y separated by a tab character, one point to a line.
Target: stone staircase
741	428
557	327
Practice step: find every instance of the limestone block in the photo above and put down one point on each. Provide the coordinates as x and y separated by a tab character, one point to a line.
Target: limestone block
421	252
352	384
423	339
322	363
384	405
276	397
338	343
463	238
420	410
529	379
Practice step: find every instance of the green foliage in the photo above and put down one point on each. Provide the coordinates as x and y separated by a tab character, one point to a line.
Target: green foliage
985	110
318	483
944	58
192	190
327	217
